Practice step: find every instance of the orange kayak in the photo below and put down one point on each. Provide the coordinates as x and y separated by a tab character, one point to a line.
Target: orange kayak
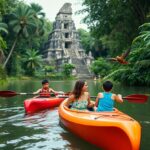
36	104
107	130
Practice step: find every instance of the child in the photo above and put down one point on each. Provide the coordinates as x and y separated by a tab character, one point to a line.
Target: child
80	98
45	91
105	100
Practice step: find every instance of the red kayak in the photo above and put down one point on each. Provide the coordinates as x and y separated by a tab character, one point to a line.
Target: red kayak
36	104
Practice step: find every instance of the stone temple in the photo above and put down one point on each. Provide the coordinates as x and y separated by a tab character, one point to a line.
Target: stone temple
63	45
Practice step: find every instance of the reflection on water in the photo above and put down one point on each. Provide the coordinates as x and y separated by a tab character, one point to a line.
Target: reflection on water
36	131
42	130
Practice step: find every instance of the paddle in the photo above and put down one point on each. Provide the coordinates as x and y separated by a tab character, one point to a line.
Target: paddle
135	98
13	93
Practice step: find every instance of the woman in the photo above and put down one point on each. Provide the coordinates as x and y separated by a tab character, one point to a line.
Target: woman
80	98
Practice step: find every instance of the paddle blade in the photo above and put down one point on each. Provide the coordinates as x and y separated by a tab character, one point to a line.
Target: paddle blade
136	98
8	93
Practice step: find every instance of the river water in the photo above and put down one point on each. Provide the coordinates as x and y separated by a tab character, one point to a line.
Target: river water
41	130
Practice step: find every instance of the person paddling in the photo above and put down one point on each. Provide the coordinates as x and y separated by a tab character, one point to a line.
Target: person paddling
105	100
46	91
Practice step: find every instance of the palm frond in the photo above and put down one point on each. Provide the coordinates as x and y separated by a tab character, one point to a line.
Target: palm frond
113	73
145	63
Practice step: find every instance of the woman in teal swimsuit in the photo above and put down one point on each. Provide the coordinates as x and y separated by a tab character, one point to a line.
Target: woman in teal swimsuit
80	98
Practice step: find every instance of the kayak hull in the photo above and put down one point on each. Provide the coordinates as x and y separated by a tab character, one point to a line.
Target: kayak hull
107	130
36	104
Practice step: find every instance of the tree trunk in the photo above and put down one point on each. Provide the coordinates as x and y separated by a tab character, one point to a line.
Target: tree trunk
2	56
10	53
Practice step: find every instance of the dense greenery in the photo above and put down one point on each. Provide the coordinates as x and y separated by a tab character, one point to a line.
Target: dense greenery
32	61
67	69
22	28
90	43
138	73
116	25
2	74
101	67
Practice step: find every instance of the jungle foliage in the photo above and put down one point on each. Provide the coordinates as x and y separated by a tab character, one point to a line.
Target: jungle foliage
117	25
23	32
113	25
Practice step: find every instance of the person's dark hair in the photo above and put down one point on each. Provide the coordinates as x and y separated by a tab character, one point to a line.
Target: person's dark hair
107	86
45	81
78	88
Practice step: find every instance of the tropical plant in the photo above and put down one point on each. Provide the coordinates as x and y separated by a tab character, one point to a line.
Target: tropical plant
100	67
90	44
3	26
3	45
48	69
23	23
144	34
2	73
137	72
37	10
115	23
39	15
67	69
32	61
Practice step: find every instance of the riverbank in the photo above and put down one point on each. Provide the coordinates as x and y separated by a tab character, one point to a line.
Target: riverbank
9	79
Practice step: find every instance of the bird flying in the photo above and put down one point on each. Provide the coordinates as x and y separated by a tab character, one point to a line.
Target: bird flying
121	59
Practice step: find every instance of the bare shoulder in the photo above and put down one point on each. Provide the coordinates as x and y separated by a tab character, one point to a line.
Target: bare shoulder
100	95
71	97
113	96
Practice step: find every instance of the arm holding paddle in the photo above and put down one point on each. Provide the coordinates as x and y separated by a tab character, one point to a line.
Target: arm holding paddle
105	100
118	98
37	92
46	91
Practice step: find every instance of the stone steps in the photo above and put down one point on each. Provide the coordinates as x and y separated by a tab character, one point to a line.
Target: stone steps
81	68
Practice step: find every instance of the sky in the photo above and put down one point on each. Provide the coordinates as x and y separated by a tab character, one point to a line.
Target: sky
52	7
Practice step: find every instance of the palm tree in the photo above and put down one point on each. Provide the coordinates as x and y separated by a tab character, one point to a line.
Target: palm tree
144	34
3	26
37	9
40	22
39	15
32	61
3	29
2	45
23	23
